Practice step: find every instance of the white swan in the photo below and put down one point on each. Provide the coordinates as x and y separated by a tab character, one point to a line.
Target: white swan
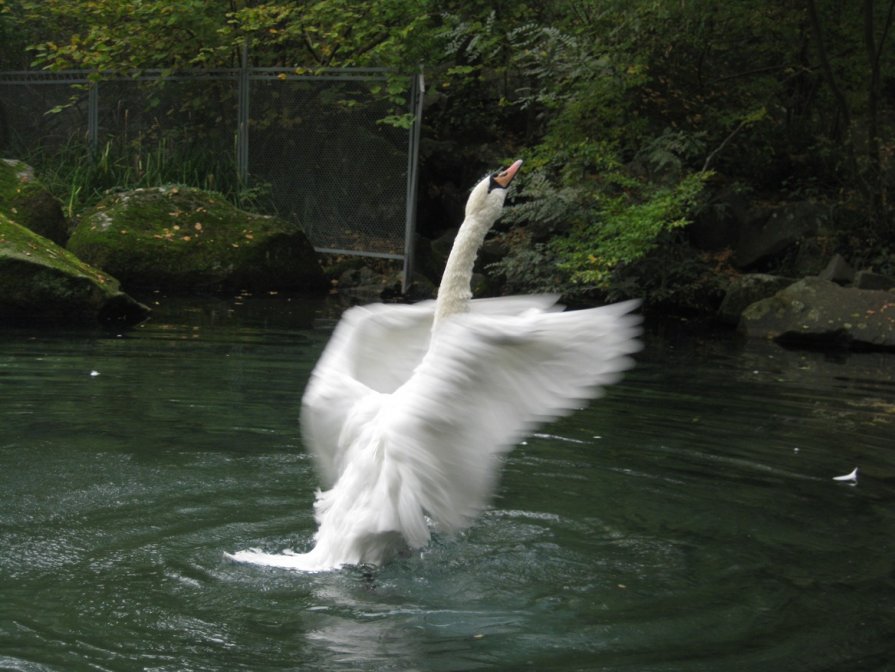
411	407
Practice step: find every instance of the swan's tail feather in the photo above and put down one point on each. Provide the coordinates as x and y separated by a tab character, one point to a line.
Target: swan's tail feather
302	562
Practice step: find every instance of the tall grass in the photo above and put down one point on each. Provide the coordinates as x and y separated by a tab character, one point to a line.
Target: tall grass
79	178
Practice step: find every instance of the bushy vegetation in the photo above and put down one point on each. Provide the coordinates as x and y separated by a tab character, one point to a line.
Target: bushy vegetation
630	115
80	178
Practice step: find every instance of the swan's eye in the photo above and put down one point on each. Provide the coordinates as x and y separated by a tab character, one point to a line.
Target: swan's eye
493	183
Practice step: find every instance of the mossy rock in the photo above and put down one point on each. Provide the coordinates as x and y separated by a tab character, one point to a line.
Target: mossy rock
41	282
820	313
24	199
184	240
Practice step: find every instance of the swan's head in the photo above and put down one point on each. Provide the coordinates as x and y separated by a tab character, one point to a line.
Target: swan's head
486	200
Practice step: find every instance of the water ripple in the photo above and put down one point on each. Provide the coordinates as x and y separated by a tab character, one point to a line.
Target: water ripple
686	521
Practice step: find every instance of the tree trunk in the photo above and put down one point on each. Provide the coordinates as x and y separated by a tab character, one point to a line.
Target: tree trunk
874	177
843	119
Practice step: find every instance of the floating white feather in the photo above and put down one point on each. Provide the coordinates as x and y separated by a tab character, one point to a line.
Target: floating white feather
848	478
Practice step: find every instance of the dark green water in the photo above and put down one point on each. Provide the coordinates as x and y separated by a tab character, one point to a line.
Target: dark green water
688	521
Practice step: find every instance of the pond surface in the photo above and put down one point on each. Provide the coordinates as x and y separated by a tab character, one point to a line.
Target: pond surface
687	521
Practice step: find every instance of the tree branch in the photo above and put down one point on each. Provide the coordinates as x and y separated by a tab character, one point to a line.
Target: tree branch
724	143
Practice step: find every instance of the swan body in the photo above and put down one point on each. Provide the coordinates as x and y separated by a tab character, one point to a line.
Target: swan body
411	407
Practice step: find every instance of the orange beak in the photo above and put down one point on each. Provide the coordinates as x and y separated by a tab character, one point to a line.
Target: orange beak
504	177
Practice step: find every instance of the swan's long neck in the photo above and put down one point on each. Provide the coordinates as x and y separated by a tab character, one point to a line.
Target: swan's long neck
454	292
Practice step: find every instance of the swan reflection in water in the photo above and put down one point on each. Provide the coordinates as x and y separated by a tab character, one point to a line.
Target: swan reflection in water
411	407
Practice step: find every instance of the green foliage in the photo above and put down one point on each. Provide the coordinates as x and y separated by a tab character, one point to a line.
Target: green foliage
673	275
606	189
121	36
625	228
620	108
531	268
79	179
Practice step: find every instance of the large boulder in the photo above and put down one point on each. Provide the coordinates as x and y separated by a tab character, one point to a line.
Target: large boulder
838	270
786	226
41	282
745	290
181	240
24	199
867	279
820	312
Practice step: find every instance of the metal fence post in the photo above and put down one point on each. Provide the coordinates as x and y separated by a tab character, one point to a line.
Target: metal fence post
417	88
93	118
242	127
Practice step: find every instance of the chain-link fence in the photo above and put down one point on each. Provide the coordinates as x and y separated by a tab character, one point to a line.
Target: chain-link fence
309	148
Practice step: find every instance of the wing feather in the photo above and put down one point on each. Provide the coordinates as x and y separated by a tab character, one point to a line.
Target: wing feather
375	349
488	381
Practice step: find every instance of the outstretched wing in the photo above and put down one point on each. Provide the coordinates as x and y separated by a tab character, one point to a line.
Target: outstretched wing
374	350
486	382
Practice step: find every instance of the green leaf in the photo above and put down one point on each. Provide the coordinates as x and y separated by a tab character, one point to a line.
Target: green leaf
404	121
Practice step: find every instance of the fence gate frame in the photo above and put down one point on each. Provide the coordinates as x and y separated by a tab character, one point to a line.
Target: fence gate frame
243	77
